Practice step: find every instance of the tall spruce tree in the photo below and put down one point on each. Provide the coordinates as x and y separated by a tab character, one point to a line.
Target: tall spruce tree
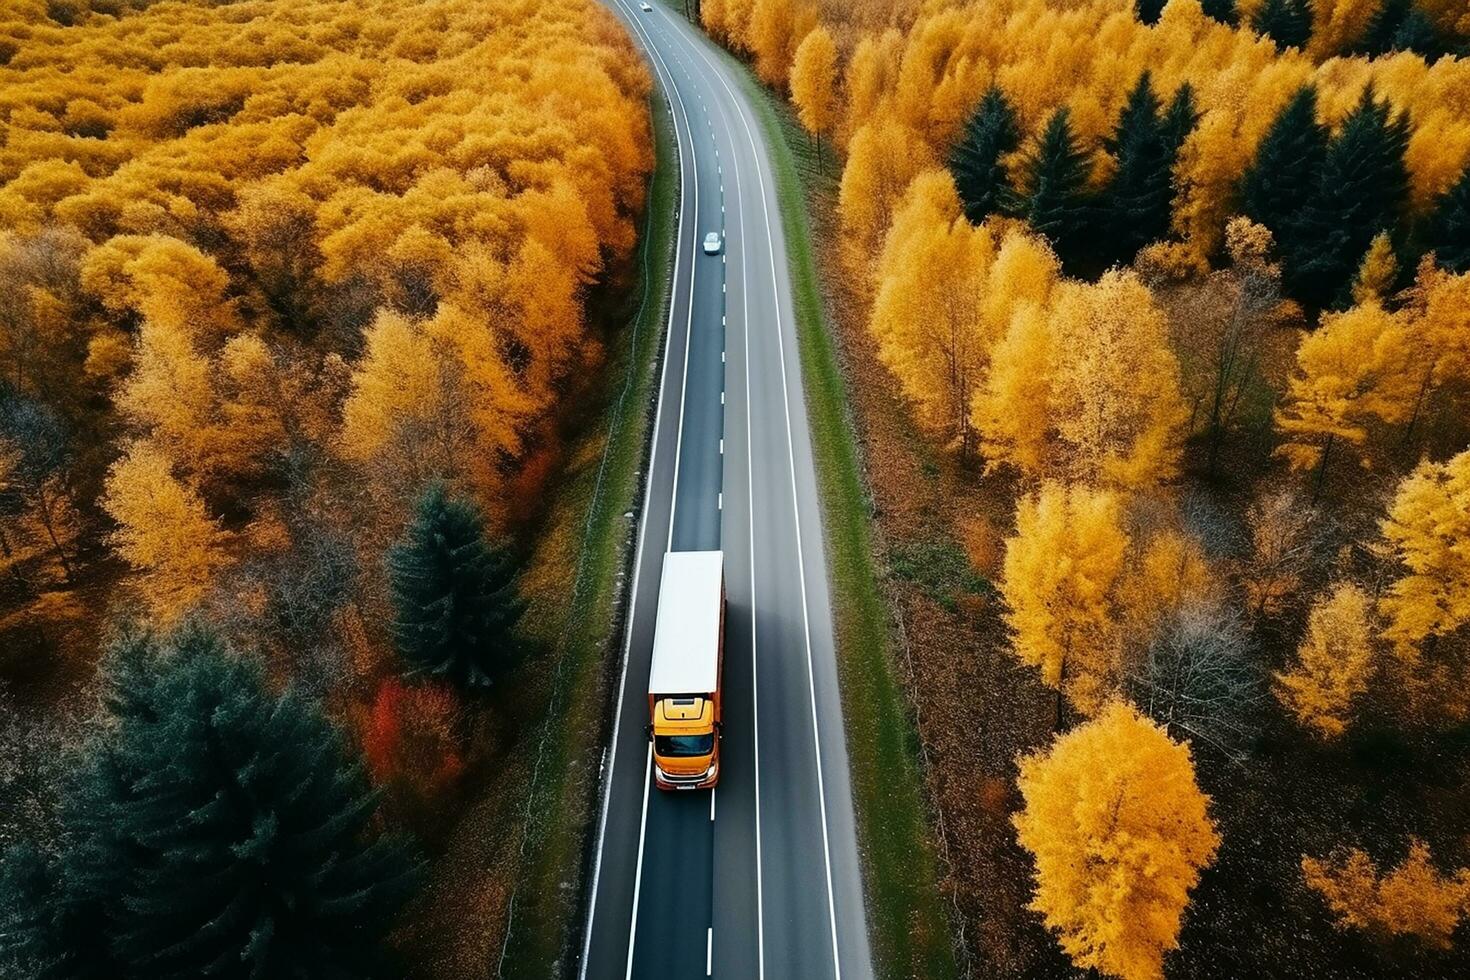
1221	10
990	133
1149	11
215	828
1055	197
1362	189
1146	146
1179	121
1287	22
456	597
1288	163
1448	233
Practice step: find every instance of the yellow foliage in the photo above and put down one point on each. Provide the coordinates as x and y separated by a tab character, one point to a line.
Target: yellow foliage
814	82
776	28
1334	663
301	164
1427	532
1412	899
883	156
1061	571
1377	273
1439	320
164	532
1169	572
1356	368
928	318
1094	394
1119	831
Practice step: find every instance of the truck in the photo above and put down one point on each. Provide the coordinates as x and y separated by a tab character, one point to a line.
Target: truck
685	673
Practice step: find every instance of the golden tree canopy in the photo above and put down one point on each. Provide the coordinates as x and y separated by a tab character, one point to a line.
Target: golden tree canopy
814	81
1119	831
1061	572
1413	898
1334	663
1428	533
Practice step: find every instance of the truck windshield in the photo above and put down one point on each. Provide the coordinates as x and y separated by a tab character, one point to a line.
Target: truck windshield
675	745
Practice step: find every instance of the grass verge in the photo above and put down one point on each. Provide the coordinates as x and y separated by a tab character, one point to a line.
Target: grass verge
907	921
588	531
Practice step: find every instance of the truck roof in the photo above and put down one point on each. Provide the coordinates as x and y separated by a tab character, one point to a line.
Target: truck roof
686	636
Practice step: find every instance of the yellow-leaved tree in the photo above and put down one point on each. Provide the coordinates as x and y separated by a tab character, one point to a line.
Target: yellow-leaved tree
927	317
814	84
1061	572
1377	273
1427	532
883	156
1087	389
776	28
1119	831
1334	663
163	532
1353	370
1413	898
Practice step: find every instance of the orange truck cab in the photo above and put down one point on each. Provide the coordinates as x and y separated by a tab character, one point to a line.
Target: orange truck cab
688	663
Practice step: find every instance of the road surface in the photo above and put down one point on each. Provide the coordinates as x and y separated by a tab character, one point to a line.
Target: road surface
759	878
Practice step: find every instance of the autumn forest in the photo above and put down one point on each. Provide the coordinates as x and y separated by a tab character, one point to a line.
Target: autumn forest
1153	318
293	312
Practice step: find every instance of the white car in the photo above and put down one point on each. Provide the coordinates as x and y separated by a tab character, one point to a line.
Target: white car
646	8
712	243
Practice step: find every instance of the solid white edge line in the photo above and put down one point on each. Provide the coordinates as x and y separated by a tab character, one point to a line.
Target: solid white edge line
662	70
796	510
642	833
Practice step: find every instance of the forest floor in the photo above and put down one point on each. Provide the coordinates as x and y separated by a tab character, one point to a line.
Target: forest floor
502	898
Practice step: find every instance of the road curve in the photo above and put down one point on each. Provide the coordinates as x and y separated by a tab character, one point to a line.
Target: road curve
759	878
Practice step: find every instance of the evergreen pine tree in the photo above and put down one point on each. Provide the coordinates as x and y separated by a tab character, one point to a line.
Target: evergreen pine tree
1146	145
1362	189
1284	174
1179	121
1149	11
215	829
1287	22
1055	196
455	596
975	161
1449	226
1221	10
1418	34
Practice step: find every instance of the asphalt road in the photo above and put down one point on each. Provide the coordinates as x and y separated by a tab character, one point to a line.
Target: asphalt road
759	878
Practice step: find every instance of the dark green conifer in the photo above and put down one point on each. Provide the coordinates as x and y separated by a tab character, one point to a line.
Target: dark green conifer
1362	189
1449	226
215	828
990	133
455	596
1145	145
1288	161
1055	197
1222	10
1149	11
1287	22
